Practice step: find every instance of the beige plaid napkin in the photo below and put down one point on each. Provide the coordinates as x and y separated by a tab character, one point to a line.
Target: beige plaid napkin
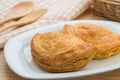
58	10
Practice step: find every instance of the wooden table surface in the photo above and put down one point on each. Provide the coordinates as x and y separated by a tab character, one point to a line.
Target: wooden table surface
7	74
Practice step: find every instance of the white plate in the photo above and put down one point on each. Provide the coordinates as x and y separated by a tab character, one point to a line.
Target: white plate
18	55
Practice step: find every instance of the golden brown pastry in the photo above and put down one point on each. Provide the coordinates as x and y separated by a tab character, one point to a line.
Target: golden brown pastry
106	42
57	52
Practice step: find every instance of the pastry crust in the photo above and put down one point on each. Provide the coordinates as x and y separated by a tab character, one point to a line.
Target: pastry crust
106	42
57	52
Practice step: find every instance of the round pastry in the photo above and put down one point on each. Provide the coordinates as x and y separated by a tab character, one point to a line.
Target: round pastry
57	52
106	42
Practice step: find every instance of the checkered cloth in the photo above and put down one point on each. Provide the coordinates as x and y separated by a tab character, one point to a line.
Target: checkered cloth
58	10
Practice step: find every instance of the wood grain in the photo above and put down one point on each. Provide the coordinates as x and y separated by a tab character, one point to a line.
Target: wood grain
7	74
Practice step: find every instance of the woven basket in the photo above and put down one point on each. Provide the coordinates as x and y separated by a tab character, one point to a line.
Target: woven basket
107	8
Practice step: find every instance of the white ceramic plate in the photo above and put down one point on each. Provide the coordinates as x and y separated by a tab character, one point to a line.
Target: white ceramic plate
18	55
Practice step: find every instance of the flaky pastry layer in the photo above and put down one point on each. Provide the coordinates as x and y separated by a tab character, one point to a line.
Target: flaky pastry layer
103	39
57	52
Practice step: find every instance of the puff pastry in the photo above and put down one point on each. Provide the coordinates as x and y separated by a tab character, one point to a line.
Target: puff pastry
106	42
57	52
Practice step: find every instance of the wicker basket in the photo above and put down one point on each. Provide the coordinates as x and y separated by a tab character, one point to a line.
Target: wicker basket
107	8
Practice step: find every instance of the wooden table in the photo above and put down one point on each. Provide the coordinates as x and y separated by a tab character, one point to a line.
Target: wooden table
7	74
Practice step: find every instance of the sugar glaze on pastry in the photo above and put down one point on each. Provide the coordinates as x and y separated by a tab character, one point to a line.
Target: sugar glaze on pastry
57	52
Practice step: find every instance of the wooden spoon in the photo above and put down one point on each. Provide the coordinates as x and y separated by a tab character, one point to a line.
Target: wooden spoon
33	16
18	11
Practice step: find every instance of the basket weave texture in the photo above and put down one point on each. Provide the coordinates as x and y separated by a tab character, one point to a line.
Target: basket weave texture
107	8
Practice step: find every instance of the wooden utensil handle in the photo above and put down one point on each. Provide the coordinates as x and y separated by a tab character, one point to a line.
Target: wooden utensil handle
17	24
3	21
8	19
9	26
